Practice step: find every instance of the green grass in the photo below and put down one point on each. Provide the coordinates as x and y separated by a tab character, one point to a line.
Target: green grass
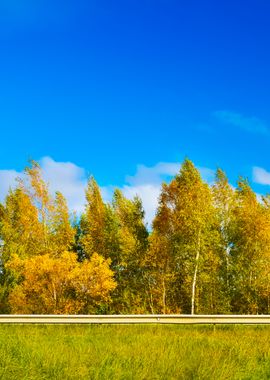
134	352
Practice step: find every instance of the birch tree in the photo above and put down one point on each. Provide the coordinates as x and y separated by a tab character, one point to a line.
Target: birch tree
194	220
62	232
251	250
224	198
93	221
132	242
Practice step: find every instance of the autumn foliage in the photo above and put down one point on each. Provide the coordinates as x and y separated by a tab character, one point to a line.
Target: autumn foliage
207	251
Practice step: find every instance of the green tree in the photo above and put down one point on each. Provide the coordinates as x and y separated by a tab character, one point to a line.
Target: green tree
160	261
186	232
225	203
93	222
250	251
129	263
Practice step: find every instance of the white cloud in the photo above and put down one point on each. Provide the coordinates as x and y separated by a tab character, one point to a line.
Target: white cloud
67	178
146	183
261	176
153	174
7	181
207	174
149	194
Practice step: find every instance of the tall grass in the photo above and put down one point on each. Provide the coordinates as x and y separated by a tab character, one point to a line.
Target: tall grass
134	352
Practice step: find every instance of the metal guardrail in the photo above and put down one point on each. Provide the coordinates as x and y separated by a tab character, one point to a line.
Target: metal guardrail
136	319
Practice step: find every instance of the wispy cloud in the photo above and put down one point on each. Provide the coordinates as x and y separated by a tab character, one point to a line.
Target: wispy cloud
249	124
261	176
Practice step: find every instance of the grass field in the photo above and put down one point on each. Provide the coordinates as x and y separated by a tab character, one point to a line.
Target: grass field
134	352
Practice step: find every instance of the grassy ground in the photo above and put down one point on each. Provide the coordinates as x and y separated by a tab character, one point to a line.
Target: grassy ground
134	352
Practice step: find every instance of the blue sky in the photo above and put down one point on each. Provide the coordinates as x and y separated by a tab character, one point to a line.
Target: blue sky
110	85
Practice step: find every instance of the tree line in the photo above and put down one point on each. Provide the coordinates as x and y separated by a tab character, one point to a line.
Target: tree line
208	250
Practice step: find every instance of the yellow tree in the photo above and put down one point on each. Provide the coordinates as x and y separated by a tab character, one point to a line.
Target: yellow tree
186	215
20	233
36	233
93	222
193	220
21	230
32	220
62	233
38	190
224	198
160	260
61	285
250	251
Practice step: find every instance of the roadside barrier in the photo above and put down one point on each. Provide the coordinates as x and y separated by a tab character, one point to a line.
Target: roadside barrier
136	319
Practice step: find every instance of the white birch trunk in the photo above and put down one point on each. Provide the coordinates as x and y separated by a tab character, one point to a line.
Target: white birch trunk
194	282
164	296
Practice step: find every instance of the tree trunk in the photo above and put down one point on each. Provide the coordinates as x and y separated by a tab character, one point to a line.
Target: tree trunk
151	304
164	296
194	282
